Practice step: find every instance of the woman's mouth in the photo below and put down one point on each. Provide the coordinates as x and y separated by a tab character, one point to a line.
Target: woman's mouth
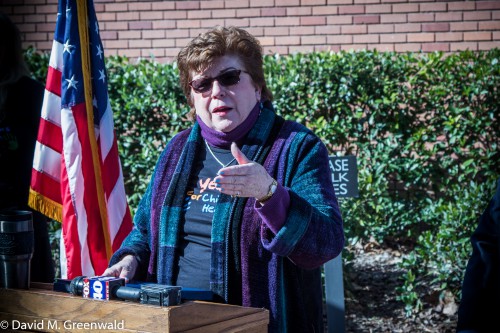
221	110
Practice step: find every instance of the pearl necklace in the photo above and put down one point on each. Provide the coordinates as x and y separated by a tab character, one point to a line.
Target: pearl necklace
212	153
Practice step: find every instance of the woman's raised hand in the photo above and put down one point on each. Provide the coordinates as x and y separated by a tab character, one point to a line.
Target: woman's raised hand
247	179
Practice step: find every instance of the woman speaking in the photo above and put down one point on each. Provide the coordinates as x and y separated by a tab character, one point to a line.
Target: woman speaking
242	202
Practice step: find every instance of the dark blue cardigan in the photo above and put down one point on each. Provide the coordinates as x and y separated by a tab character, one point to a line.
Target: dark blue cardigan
251	266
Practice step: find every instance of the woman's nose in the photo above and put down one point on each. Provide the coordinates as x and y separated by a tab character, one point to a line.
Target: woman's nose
217	89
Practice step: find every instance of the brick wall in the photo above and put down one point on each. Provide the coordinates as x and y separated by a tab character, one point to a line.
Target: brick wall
160	28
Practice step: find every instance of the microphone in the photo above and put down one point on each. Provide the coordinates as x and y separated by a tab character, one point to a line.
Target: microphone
107	287
101	287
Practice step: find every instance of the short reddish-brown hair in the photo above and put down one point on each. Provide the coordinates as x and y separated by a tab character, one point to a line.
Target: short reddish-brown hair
220	41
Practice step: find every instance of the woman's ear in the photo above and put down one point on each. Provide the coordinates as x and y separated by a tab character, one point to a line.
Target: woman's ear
257	94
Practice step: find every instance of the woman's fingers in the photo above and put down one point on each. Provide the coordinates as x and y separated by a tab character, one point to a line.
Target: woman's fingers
125	268
247	179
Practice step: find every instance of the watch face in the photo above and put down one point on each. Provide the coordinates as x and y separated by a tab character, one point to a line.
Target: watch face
273	187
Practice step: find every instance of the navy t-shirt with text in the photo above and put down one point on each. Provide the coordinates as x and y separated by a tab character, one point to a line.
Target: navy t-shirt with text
199	207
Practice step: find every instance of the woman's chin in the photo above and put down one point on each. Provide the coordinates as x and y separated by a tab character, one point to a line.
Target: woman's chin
224	126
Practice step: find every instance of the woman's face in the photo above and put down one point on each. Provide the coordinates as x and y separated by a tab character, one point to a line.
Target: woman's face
224	105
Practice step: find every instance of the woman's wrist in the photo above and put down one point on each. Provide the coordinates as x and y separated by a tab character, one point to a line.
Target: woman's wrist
271	190
274	213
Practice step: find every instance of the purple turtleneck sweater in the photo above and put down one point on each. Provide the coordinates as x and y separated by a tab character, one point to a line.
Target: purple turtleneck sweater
273	213
224	139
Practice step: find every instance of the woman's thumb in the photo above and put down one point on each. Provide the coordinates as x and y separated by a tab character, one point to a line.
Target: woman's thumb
238	155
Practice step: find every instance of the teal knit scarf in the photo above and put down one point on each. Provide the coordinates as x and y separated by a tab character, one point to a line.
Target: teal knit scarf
227	216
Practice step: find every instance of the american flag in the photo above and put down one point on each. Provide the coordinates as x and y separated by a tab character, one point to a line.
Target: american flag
77	177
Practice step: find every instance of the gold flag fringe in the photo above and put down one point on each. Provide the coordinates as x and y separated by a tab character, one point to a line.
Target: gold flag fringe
45	206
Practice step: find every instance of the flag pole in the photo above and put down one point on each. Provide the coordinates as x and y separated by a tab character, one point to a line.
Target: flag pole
84	42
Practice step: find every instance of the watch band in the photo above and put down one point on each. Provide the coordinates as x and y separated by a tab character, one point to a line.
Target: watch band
272	189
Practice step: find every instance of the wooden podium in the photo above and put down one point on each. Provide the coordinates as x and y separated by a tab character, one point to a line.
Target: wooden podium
50	311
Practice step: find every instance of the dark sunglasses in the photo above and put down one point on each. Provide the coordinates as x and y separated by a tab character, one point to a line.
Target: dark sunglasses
226	79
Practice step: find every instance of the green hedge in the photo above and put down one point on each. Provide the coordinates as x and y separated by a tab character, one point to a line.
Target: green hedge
424	127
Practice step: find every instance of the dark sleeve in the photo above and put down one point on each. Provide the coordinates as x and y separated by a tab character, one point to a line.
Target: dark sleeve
137	242
23	105
142	239
313	231
480	303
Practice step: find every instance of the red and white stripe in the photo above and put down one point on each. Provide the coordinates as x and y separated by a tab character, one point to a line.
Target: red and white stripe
63	176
